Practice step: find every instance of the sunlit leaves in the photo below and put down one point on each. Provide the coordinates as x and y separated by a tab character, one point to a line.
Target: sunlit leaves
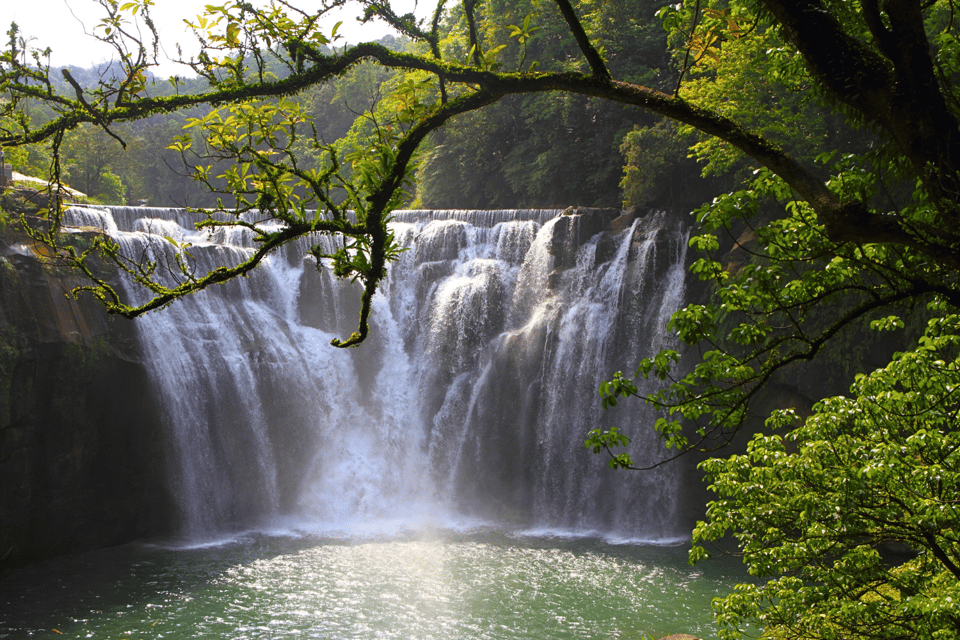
778	296
890	323
653	155
875	469
617	387
117	18
486	59
523	33
733	63
410	95
814	503
599	440
232	31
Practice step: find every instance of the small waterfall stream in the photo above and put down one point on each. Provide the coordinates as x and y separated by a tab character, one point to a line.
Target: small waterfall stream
471	399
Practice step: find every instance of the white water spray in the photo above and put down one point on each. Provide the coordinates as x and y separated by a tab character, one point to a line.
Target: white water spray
471	398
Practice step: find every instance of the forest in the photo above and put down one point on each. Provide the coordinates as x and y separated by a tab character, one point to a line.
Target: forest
823	136
525	151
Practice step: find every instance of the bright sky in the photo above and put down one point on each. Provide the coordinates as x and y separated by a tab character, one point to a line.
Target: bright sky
60	24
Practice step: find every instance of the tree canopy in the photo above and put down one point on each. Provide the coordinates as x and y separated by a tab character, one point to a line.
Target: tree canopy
836	230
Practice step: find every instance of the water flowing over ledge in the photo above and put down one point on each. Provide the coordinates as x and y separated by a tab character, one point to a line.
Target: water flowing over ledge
471	399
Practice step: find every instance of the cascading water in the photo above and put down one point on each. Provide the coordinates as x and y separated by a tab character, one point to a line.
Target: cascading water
471	398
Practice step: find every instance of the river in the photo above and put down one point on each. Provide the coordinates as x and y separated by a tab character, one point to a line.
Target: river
447	584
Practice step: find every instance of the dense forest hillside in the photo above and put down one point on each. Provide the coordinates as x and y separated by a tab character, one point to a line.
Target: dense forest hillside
551	150
540	150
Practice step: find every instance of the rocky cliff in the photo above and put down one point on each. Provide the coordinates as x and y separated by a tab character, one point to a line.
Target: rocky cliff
82	450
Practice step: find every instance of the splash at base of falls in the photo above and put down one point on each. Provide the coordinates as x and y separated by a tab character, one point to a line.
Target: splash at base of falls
471	398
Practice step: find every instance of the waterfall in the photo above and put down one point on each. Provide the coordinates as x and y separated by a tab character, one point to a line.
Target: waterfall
471	398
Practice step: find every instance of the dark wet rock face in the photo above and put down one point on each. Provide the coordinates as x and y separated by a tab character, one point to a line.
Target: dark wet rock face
82	452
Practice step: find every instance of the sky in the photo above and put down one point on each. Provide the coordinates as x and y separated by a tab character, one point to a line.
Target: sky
60	25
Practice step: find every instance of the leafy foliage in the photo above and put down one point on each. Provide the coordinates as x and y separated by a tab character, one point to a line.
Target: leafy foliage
817	503
653	156
545	150
89	156
863	474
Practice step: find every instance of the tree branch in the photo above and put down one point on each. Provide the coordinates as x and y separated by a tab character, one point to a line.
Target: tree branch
590	52
899	92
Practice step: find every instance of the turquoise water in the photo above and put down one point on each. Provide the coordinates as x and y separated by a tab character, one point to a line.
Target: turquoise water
417	586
